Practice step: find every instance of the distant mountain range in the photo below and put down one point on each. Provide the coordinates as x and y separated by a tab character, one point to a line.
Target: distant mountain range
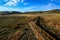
9	12
49	11
16	12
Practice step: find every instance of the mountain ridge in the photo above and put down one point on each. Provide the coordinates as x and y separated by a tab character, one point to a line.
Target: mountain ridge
17	12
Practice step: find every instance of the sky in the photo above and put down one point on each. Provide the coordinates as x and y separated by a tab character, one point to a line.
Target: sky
29	5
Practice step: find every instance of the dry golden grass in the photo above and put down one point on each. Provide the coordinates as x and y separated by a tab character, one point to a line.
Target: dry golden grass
16	28
52	21
13	25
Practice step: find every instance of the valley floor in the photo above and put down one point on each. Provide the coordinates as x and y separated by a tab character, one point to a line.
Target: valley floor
20	27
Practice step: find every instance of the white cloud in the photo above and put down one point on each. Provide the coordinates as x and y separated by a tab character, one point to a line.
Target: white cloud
55	0
31	8
12	2
6	0
48	6
26	3
9	9
21	0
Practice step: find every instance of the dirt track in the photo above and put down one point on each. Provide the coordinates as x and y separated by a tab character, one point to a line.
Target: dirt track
33	27
40	33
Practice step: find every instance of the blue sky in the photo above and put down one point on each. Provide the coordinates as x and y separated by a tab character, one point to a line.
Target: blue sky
29	5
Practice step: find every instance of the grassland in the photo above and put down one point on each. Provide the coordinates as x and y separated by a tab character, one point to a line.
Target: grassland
16	26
